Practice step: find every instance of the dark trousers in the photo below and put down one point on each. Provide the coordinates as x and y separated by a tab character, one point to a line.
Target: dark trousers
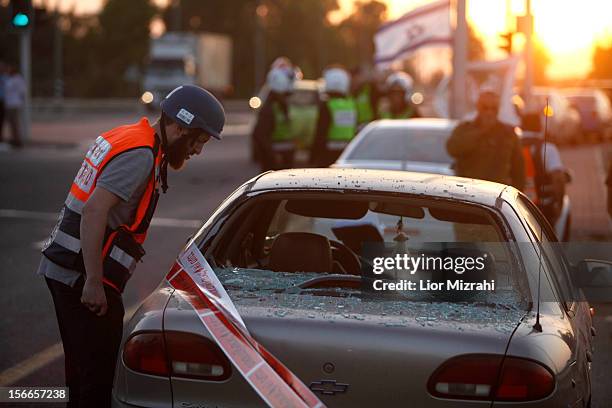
91	344
13	115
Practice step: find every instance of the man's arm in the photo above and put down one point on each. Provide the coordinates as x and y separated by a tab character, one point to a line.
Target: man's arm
93	225
464	140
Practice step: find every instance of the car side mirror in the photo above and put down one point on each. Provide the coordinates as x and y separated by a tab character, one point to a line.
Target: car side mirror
594	277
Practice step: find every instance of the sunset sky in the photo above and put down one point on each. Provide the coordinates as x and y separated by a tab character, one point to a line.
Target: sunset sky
568	28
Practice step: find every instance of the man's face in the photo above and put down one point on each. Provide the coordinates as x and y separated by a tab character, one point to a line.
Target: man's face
188	144
488	107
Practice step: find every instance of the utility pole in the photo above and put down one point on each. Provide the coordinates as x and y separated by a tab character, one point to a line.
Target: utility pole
460	46
261	11
58	82
21	18
25	47
527	28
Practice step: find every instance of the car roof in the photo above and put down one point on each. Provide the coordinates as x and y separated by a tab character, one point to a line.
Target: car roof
381	181
419	123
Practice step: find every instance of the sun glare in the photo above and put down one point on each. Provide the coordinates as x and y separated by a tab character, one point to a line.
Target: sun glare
568	29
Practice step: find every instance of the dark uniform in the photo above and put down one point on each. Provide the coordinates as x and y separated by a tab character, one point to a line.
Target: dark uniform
272	134
494	155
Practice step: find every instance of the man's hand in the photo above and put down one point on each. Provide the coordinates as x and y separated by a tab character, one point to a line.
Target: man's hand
93	225
93	296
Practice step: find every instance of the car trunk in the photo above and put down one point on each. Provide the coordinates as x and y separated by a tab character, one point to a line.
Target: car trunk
351	351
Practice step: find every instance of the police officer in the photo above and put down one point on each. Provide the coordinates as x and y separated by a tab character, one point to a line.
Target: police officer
272	132
337	119
94	248
399	86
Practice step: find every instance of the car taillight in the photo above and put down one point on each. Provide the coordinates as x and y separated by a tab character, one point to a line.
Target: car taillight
145	353
194	356
491	377
176	354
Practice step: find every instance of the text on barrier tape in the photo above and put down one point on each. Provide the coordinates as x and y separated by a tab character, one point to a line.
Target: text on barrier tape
196	282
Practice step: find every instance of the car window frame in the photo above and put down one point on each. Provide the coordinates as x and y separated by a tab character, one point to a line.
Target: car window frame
569	304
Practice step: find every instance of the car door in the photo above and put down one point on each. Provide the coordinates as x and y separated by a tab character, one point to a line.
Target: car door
576	312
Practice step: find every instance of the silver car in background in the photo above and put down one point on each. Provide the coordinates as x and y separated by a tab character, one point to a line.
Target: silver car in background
287	246
405	144
416	145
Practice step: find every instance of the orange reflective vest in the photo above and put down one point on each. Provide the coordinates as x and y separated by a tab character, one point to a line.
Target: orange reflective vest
122	246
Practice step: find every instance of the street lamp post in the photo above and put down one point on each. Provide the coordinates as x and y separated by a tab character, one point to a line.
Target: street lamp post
460	44
261	11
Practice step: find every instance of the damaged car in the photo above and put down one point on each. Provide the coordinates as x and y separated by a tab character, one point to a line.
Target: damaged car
294	250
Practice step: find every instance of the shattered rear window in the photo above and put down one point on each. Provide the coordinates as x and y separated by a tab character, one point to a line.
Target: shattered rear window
305	254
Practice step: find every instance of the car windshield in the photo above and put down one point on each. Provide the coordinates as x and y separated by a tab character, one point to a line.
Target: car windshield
166	67
583	101
323	246
403	144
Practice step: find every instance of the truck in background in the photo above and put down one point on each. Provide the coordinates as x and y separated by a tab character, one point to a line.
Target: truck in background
178	58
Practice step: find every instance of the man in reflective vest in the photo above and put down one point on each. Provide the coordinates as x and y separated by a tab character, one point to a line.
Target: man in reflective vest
545	175
93	250
273	133
399	104
337	120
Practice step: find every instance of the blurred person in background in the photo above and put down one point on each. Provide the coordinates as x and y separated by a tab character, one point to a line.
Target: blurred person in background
399	86
337	118
545	176
14	101
3	78
272	131
366	95
487	149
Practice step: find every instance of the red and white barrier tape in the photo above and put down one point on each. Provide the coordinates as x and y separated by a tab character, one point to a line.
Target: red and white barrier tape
197	283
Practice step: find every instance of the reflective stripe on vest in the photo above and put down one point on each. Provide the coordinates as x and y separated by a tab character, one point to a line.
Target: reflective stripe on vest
282	124
121	247
364	106
343	119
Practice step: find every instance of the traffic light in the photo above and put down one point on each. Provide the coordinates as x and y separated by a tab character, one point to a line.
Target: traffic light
506	43
21	14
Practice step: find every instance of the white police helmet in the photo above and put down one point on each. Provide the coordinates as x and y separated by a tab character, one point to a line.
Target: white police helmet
280	80
337	80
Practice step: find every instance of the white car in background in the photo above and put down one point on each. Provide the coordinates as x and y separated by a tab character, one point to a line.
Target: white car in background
406	144
415	145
